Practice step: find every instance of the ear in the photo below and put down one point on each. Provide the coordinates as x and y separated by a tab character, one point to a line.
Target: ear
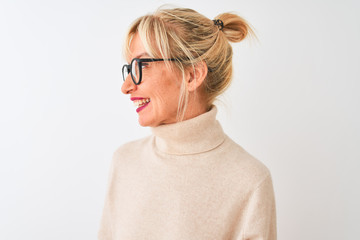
196	76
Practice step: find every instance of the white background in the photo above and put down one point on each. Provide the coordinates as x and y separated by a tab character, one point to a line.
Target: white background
294	104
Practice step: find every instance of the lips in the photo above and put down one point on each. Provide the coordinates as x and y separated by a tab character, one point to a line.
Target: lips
141	103
136	98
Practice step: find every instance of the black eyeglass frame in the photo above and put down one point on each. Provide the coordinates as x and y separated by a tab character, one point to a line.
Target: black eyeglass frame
139	61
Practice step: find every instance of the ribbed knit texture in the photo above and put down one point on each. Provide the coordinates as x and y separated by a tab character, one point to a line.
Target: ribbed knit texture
188	181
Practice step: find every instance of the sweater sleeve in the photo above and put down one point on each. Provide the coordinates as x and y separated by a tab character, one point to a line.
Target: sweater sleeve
260	216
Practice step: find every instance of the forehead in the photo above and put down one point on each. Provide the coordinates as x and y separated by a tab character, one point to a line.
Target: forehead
136	48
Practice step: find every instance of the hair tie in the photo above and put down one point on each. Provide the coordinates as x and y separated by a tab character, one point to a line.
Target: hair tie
219	23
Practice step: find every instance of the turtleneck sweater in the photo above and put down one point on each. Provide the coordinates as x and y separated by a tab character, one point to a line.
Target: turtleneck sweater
188	180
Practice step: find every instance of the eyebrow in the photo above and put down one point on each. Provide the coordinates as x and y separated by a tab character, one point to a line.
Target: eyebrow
141	55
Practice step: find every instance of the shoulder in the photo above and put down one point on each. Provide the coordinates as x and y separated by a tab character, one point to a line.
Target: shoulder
245	166
131	149
132	145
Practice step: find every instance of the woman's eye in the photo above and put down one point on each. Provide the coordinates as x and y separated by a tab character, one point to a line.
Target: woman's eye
144	65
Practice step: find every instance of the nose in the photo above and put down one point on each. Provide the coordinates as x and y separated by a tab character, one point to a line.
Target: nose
128	85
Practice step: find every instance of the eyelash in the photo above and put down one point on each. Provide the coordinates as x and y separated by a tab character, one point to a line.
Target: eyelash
144	65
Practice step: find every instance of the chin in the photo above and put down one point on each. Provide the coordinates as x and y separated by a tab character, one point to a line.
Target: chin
146	122
142	123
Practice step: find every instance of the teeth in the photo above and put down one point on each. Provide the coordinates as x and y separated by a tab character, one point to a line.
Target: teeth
139	103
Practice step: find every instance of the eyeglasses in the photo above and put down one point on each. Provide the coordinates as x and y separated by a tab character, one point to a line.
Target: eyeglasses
136	66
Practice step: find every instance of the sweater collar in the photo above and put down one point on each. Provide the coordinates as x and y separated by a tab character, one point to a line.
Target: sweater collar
195	135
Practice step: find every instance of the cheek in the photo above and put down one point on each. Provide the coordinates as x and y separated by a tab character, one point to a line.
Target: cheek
167	84
163	85
166	96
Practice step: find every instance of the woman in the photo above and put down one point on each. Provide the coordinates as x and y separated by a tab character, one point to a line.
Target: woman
188	180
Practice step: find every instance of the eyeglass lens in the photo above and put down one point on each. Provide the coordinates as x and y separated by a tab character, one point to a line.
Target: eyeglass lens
125	72
135	74
134	69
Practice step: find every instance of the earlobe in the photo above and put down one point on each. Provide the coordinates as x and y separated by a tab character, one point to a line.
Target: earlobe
197	76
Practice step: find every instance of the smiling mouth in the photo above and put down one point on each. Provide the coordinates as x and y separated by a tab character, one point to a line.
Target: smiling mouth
141	102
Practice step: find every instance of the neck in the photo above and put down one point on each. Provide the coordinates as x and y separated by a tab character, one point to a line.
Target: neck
196	106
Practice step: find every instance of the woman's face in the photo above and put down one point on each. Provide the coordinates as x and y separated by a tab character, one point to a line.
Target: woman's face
156	97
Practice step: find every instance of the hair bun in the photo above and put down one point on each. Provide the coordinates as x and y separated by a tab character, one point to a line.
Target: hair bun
235	27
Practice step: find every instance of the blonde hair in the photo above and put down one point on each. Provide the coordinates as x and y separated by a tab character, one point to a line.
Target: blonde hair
190	38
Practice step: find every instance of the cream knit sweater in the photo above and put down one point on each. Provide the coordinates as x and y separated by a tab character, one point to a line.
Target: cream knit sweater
188	181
